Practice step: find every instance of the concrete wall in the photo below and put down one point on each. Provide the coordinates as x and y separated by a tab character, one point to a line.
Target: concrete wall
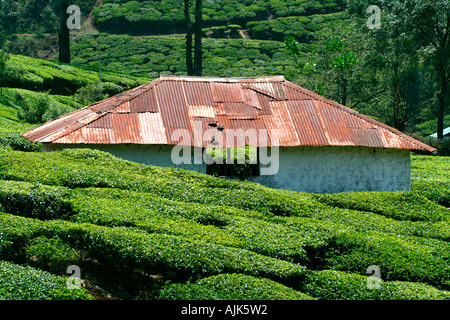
340	169
306	169
157	155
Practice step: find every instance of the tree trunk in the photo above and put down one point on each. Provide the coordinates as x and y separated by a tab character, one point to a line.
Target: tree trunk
397	124
198	59
344	91
63	34
187	19
442	101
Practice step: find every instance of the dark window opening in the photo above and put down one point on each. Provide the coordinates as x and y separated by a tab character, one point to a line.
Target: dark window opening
235	168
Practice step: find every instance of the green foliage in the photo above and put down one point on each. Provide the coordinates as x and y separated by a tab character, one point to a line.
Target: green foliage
335	245
400	257
27	283
231	287
338	285
303	27
157	17
16	142
4	57
152	56
430	178
39	107
52	255
184	225
34	200
42	75
396	205
132	249
95	92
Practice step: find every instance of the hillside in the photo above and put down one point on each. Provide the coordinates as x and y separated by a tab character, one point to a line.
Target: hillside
245	38
183	235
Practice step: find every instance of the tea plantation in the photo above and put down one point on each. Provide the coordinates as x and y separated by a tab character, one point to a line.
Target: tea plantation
144	232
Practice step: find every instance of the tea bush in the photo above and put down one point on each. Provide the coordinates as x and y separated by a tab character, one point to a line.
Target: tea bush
231	287
27	283
204	223
52	255
185	225
406	258
369	221
338	285
42	75
430	178
34	200
15	141
128	249
396	205
147	17
57	168
399	257
152	56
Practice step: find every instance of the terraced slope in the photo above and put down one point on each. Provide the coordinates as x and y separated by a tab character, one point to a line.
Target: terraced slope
217	238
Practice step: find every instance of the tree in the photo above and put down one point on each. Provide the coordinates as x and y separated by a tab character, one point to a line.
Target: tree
188	22
60	7
196	67
32	12
4	57
52	16
393	75
198	59
331	65
428	21
8	18
398	65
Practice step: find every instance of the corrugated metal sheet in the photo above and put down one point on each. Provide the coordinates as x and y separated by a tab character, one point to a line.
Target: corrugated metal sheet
281	121
198	93
151	128
227	92
146	102
197	111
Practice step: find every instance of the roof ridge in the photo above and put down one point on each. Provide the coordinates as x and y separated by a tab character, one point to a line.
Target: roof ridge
126	94
221	79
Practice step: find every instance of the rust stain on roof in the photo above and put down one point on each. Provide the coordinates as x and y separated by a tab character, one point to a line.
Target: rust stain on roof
171	109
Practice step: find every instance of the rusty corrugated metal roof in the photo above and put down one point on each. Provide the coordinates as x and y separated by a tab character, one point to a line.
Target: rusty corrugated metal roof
169	109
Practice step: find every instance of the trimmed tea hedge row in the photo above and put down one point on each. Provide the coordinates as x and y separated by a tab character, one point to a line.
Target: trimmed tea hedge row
400	258
396	205
168	217
404	258
163	16
231	287
152	56
34	200
368	221
204	223
430	177
41	75
89	168
131	248
338	285
152	213
16	142
27	283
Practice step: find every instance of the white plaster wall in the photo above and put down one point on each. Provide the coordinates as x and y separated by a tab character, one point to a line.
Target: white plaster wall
305	169
340	169
157	155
